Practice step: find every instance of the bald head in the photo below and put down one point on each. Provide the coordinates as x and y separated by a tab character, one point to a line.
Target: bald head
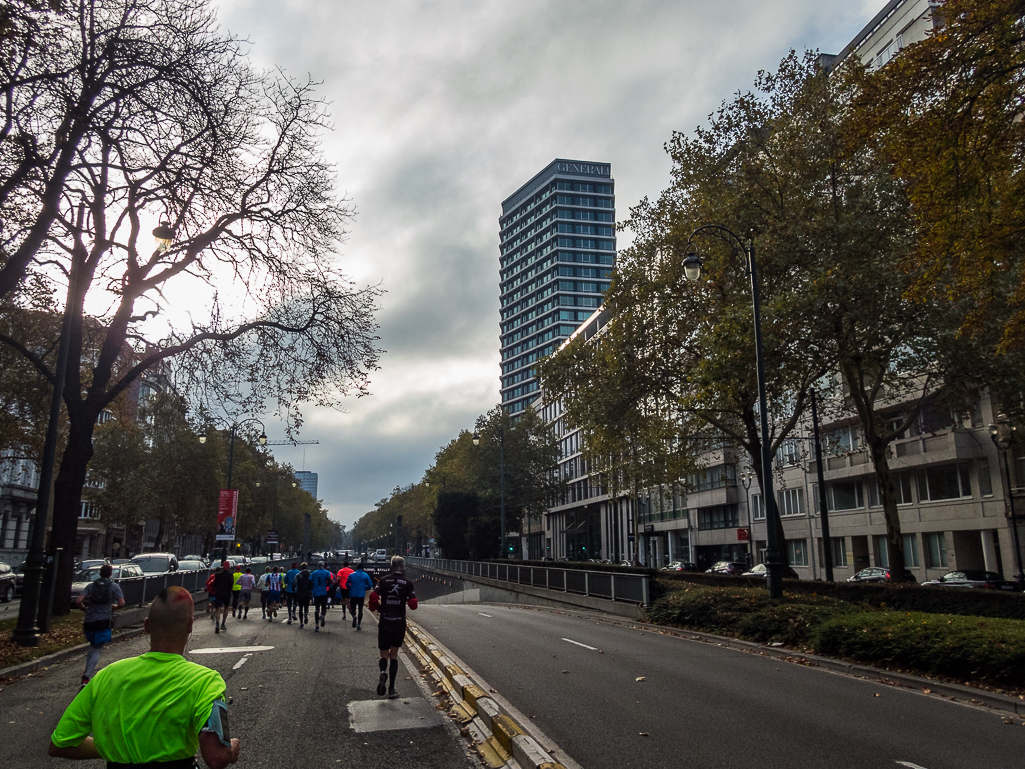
170	617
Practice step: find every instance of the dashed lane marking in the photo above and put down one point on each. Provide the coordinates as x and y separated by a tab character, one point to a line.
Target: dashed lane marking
241	662
570	640
484	615
231	649
909	765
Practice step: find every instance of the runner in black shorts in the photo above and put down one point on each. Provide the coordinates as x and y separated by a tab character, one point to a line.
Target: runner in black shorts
391	596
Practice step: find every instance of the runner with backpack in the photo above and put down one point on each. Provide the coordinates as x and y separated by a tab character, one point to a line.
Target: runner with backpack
99	599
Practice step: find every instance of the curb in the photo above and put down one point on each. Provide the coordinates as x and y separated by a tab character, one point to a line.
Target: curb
42	663
130	617
501	741
948	691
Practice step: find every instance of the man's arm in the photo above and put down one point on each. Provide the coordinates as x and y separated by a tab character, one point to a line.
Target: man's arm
85	750
215	754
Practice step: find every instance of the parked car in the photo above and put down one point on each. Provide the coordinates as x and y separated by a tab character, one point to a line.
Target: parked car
8	582
85	576
156	563
19	577
258	559
193	557
681	566
733	568
88	564
761	570
381	555
879	574
973	578
191	565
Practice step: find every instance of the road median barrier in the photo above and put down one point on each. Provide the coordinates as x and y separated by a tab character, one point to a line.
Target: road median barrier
497	735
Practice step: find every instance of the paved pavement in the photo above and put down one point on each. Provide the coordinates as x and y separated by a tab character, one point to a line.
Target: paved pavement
307	701
578	678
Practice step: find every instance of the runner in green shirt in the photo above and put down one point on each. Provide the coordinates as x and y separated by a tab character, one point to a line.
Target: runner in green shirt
157	707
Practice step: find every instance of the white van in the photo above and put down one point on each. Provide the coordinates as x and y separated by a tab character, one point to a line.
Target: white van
381	555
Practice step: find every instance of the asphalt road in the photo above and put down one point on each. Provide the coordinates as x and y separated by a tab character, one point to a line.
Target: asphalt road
297	704
704	706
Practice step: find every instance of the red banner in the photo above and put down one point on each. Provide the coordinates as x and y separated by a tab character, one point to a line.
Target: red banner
227	510
744	535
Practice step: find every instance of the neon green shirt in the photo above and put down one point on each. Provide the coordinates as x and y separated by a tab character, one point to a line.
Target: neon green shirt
235	585
147	708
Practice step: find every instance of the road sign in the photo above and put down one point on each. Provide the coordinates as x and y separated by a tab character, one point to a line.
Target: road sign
744	535
272	537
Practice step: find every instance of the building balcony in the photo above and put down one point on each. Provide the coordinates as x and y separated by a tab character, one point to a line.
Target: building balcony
950	446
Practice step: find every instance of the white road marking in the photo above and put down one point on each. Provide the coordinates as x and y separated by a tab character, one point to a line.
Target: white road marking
570	640
241	662
909	765
231	649
484	615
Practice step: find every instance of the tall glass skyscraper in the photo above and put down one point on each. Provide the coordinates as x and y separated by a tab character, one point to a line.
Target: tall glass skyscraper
558	249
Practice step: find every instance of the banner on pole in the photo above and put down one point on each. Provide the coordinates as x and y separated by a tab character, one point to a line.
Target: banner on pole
272	537
227	510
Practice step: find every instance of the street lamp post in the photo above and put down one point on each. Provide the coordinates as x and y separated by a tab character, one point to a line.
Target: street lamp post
501	481
231	451
1003	437
692	271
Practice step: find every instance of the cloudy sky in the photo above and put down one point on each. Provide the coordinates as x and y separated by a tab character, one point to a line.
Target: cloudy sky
443	109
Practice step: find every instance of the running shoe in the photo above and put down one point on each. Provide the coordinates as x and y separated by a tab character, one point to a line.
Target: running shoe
289	621
322	622
382	683
316	628
223	627
217	629
392	694
359	626
354	622
85	680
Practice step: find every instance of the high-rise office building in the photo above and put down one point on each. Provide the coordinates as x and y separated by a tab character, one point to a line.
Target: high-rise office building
307	481
558	249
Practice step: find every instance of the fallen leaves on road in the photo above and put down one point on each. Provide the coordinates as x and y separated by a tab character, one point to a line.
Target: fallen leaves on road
644	734
639	678
565	671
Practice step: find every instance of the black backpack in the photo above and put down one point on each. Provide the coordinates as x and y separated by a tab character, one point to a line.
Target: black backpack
102	592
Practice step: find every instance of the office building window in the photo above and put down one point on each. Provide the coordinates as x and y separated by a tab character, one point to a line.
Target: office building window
985	479
839	551
789	453
944	482
901	484
790	501
719	517
797	552
841	495
936	550
910	542
757	507
882	551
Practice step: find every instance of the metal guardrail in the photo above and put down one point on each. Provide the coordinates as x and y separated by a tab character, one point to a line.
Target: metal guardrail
610	585
140	590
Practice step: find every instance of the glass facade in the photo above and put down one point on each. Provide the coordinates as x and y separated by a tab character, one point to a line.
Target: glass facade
558	250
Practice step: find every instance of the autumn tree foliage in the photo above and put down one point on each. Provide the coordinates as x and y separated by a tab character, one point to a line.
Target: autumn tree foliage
158	116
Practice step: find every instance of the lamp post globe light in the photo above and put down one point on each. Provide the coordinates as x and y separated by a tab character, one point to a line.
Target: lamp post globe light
1003	436
692	267
501	483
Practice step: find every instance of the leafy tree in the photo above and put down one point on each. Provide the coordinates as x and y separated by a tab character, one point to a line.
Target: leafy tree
452	517
947	113
230	156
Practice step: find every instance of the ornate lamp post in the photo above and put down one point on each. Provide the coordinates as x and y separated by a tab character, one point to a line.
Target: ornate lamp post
692	265
1003	436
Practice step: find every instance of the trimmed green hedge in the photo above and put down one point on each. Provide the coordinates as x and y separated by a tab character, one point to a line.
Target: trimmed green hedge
968	648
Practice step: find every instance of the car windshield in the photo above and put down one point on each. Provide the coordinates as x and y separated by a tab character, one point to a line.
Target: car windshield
90	575
152	565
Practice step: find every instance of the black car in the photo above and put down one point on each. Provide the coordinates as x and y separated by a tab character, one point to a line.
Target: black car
879	574
681	566
733	568
8	581
973	578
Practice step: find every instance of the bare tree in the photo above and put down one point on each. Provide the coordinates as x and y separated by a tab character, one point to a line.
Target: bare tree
245	301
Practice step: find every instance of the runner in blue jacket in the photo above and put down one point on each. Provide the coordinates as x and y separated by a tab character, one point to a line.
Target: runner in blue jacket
359	583
321	584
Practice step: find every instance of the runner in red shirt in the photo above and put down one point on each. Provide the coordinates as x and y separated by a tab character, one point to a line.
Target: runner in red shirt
343	585
391	596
